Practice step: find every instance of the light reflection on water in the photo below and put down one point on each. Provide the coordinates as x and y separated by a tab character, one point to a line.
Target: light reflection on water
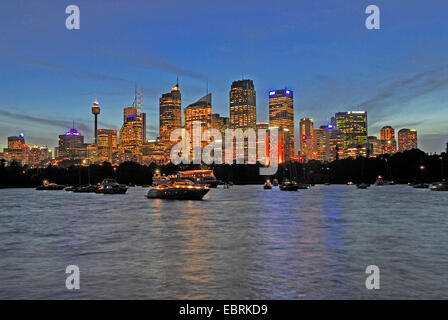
240	243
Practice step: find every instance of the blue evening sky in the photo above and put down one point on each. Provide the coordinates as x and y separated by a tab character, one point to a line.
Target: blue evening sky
320	49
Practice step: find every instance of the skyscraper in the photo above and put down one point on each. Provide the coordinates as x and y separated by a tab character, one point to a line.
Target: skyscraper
353	126
407	139
321	144
336	143
133	131
170	112
243	111
220	123
281	114
71	146
374	146
306	127
388	142
201	111
107	144
17	149
263	145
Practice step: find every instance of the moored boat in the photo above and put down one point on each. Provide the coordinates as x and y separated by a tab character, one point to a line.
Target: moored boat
85	189
110	186
267	185
50	186
421	186
304	186
362	185
178	190
289	185
440	186
202	177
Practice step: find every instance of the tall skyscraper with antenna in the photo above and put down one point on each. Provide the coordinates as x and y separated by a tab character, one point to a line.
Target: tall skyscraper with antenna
170	112
133	131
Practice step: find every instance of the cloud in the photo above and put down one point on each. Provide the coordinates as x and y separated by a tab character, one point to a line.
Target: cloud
150	61
406	89
62	124
73	71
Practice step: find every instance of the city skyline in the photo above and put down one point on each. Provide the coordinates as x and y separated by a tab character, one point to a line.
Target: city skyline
332	65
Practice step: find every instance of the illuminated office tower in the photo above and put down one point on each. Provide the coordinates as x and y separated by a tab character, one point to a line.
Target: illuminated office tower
262	145
353	126
71	146
306	127
201	111
388	142
133	130
107	144
281	114
407	139
355	151
336	142
243	111
283	145
170	113
154	152
220	123
39	155
96	112
16	142
321	144
17	149
374	146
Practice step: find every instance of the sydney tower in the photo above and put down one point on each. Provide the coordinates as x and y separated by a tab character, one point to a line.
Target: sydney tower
96	112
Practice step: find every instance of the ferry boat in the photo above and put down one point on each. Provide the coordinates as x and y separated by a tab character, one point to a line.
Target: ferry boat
202	177
50	186
111	186
178	190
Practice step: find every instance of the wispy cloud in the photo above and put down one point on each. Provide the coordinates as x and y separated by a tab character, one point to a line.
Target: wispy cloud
150	61
62	124
72	70
406	89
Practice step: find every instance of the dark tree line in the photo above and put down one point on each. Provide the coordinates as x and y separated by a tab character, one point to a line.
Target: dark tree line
409	166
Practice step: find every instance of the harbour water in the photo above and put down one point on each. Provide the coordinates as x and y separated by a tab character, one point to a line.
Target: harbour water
238	243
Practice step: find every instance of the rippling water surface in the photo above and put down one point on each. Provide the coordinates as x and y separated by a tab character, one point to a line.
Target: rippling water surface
240	243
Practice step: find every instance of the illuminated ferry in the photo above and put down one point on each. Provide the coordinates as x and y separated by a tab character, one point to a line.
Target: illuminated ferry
178	190
201	177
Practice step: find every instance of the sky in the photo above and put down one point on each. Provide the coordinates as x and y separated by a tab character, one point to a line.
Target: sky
319	49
